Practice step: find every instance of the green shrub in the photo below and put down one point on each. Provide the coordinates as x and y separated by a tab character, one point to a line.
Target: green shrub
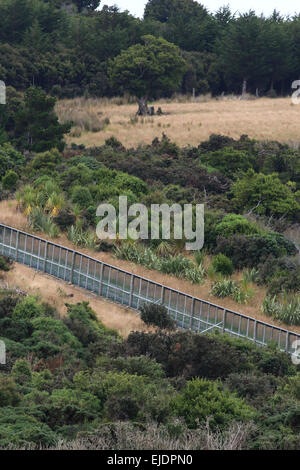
29	308
67	406
10	159
250	251
84	324
251	386
266	193
157	315
280	275
201	400
4	265
222	264
20	428
136	397
229	161
21	372
64	219
9	180
136	365
234	224
81	196
9	395
186	354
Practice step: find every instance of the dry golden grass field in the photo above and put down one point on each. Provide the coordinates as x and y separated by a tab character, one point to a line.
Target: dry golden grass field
185	122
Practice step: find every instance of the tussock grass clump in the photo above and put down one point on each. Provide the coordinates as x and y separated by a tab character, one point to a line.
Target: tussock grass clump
286	310
41	222
176	265
79	237
230	288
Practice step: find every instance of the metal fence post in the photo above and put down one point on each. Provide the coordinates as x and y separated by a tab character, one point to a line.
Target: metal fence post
255	331
224	320
46	256
192	313
287	341
101	278
72	267
17	245
131	290
162	300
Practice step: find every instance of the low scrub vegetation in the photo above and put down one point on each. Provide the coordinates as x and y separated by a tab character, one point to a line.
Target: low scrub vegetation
70	382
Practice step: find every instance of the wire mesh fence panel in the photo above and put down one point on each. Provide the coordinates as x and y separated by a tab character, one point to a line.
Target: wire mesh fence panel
131	290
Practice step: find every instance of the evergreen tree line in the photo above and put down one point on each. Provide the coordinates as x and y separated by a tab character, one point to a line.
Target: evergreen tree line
66	47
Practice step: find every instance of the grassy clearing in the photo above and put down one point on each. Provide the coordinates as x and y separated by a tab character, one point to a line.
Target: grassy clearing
185	122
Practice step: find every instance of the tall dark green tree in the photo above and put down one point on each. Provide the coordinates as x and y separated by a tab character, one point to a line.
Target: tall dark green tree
36	125
148	71
279	50
242	52
187	23
87	4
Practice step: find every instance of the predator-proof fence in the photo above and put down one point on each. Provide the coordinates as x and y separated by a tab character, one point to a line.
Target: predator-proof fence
134	291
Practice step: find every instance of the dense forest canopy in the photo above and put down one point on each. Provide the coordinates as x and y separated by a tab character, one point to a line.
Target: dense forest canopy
66	47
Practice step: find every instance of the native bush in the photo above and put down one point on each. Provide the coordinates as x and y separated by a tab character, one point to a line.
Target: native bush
222	264
157	315
9	180
250	251
201	400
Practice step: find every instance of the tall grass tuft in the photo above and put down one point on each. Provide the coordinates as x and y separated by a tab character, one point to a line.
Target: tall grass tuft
285	310
229	288
178	266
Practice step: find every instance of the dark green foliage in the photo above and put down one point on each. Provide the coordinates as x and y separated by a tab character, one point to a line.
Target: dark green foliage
69	376
40	40
233	224
280	275
21	372
266	193
82	196
36	124
19	427
228	161
184	353
201	399
64	219
10	159
253	250
9	395
4	266
157	315
223	265
252	387
149	69
9	180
